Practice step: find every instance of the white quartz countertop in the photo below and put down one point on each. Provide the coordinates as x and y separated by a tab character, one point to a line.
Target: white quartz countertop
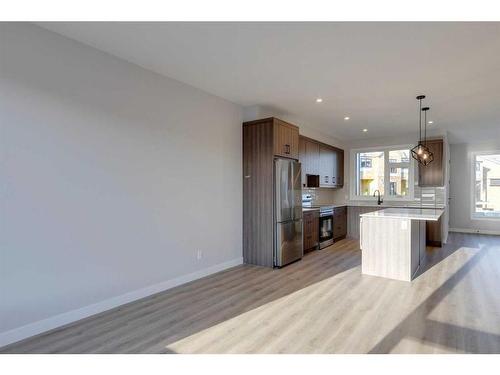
427	214
317	206
393	204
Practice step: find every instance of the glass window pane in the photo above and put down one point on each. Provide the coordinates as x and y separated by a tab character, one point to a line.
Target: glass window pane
370	173
487	186
398	183
399	156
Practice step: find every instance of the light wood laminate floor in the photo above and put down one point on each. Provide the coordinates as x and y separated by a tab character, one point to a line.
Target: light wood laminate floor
321	304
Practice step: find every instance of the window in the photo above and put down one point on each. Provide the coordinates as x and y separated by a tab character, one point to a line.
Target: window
392	190
386	170
366	162
494	181
399	162
486	182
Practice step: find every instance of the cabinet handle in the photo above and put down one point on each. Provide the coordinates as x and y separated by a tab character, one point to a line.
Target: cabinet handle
360	233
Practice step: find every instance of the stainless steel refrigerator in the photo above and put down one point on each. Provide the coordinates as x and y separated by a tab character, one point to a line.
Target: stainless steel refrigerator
288	245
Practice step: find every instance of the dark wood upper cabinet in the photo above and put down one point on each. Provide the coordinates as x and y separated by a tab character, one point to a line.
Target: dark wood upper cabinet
286	139
312	151
339	168
433	174
322	160
309	158
326	166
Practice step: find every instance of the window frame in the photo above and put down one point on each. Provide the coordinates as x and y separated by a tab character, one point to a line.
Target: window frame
472	194
354	173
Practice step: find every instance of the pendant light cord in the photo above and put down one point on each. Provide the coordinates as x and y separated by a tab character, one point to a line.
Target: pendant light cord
420	122
425	128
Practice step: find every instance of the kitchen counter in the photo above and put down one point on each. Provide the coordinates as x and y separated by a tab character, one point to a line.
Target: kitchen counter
392	204
306	209
427	214
316	207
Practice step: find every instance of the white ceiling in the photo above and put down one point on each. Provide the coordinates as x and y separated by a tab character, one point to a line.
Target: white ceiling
370	72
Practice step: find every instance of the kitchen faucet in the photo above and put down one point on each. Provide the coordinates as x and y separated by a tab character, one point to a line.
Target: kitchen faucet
379	200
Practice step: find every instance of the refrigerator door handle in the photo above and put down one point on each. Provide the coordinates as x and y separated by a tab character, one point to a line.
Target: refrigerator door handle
297	190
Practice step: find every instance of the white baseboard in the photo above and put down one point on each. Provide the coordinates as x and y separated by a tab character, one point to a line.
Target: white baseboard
477	231
60	320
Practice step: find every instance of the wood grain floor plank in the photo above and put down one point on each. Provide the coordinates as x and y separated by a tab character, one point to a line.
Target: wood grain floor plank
321	304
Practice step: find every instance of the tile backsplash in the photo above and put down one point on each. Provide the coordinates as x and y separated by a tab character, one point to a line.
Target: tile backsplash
423	197
430	196
325	195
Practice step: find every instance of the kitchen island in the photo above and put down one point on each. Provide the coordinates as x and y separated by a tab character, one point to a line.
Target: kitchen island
393	241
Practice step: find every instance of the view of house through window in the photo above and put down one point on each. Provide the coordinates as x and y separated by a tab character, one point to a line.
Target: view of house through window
384	170
487	186
399	164
371	173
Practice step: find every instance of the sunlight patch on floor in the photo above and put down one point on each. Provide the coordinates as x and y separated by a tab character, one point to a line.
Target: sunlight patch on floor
456	261
413	345
310	320
252	330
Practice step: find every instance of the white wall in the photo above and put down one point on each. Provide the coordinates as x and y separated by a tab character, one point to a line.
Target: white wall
111	179
461	186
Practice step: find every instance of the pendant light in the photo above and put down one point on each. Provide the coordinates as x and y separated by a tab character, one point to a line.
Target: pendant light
427	156
420	152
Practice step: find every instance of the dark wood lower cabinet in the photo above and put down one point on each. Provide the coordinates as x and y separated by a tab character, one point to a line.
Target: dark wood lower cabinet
339	223
311	230
311	227
433	233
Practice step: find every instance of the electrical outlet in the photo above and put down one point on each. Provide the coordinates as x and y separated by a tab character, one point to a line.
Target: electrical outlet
199	254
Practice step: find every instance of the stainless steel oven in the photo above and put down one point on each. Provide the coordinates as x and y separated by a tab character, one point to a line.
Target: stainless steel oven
325	226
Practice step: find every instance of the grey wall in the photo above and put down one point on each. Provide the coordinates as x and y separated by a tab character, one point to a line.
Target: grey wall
460	188
111	177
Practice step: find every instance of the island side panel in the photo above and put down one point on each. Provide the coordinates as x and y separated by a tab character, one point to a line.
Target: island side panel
418	243
386	247
415	246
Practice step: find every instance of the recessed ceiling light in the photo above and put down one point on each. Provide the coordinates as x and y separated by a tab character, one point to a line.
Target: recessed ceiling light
346	118
431	122
365	130
319	100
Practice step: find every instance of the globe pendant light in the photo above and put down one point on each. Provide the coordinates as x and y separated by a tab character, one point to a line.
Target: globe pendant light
420	152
